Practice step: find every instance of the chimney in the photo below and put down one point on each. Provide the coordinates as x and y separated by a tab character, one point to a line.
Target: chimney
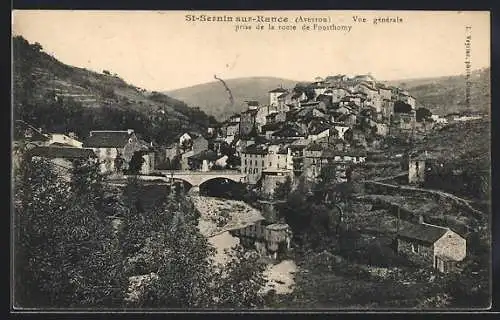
130	131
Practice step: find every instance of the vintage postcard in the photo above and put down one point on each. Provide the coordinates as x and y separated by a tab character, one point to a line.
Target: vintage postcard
249	160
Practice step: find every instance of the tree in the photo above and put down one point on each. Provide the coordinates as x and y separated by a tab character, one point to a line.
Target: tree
65	254
283	189
423	114
136	162
402	107
240	280
168	244
305	88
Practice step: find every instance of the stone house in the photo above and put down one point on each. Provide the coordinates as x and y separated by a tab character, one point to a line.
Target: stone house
274	94
288	132
384	91
253	160
297	154
387	110
272	239
409	99
248	123
431	246
297	98
232	129
115	149
199	144
317	157
284	101
278	157
405	121
252	104
62	157
202	161
262	113
272	177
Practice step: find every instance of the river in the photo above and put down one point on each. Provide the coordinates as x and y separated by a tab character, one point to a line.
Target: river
280	276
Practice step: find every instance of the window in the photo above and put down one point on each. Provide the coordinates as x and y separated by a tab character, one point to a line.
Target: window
255	170
262	162
245	170
245	161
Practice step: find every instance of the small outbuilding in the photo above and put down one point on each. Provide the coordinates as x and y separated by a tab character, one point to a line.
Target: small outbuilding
431	245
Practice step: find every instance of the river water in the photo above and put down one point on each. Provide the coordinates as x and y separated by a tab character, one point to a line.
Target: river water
280	275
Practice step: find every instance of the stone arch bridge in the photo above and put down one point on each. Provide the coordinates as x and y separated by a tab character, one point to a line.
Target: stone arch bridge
196	178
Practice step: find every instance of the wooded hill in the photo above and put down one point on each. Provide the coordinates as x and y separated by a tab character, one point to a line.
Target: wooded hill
61	98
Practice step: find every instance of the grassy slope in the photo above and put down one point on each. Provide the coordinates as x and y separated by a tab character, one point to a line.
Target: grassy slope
213	99
445	95
462	142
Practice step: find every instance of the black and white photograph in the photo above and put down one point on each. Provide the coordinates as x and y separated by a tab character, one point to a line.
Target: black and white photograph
251	160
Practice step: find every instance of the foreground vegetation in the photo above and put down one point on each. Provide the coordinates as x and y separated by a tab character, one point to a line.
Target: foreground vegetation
72	252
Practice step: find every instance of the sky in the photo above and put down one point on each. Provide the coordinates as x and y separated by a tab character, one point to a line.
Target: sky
160	50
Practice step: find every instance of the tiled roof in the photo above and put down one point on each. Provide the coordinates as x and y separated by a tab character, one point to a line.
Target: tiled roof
278	90
319	129
251	111
62	152
271	127
22	125
422	232
314	147
288	132
253	103
107	139
255	149
205	155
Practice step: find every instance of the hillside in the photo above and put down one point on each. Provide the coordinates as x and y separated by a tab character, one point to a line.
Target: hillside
60	98
462	142
445	95
213	99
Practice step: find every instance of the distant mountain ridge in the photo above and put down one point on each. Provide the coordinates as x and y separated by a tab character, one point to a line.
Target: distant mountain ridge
213	99
444	95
